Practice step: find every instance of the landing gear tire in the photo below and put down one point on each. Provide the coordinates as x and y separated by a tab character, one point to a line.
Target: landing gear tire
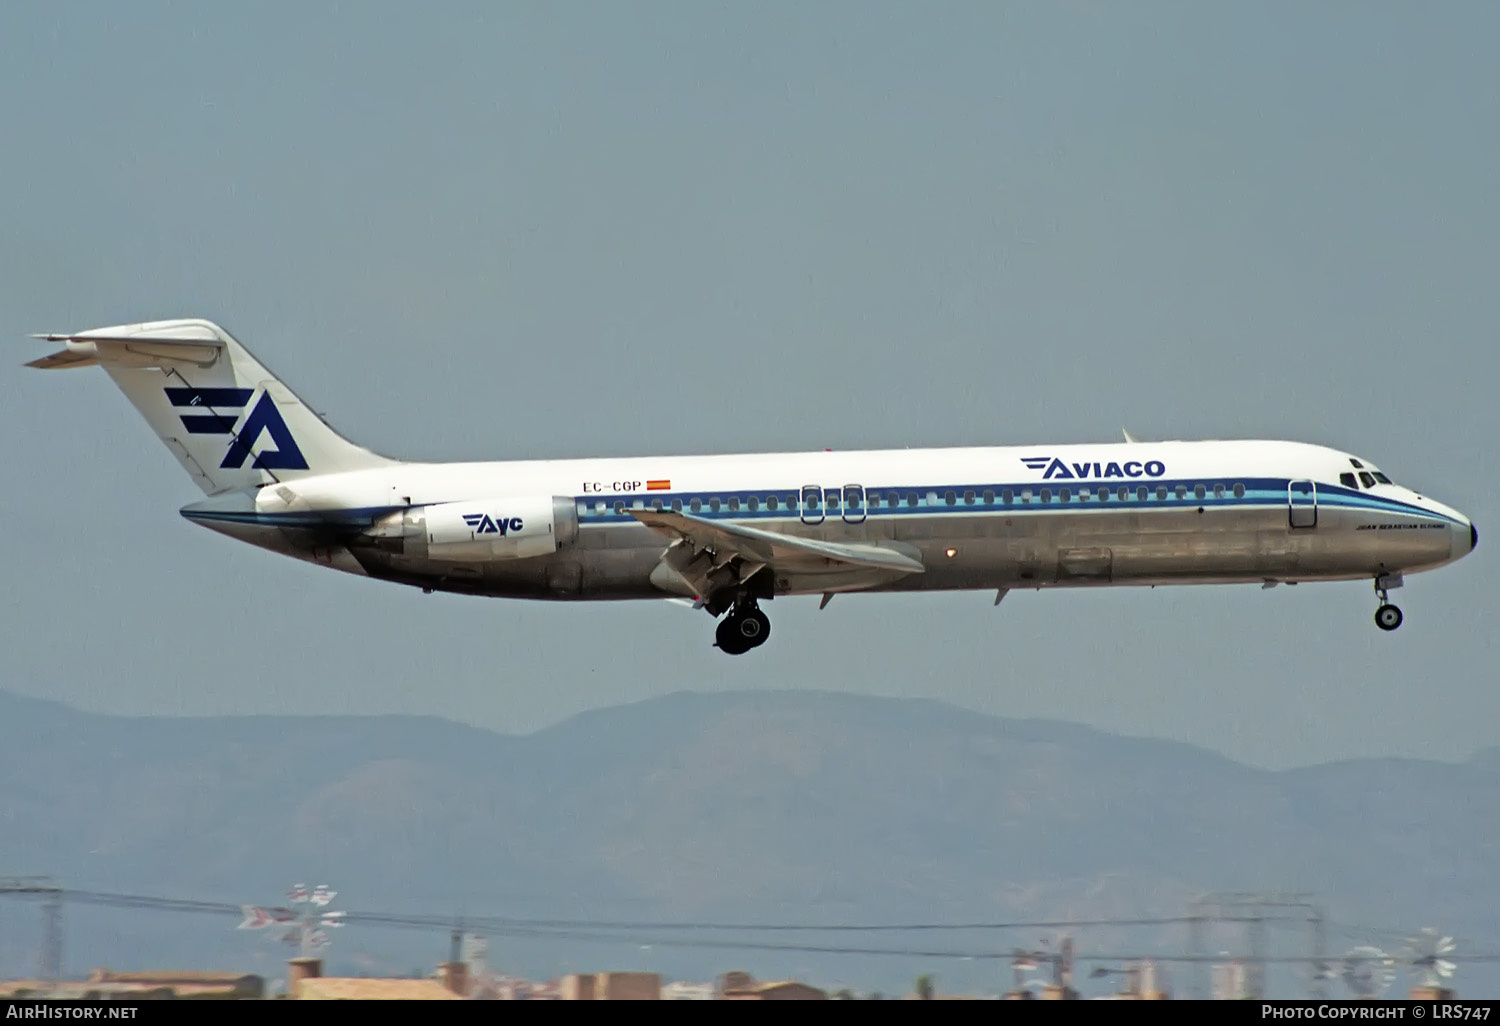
1388	617
742	630
755	628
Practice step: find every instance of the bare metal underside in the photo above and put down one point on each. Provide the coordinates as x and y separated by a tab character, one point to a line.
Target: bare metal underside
1033	550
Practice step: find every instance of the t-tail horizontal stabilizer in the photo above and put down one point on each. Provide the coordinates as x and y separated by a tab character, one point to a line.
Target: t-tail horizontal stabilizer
229	421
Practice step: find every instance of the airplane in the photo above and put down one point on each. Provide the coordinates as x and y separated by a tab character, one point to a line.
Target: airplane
723	533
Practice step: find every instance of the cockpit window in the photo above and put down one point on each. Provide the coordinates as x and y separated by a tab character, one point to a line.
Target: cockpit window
1347	480
1357	465
1365	479
1382	478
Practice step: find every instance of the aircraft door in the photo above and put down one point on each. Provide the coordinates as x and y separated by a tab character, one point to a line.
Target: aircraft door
1302	504
854	503
812	504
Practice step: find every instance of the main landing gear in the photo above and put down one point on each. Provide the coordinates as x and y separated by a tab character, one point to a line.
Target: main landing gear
745	627
1387	617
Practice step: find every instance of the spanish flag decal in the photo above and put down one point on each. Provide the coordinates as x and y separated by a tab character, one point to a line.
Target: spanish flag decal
658	486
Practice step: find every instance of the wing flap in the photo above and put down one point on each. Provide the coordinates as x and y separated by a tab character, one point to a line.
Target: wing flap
770	548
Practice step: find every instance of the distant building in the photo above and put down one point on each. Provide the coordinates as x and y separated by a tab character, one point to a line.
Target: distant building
611	987
306	982
349	988
1236	981
688	992
108	985
780	990
733	980
577	987
627	987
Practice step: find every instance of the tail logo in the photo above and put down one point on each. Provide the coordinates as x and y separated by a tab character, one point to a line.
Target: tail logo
264	417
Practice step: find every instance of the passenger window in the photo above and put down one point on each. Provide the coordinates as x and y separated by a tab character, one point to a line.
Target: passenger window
1161	492
791	501
695	505
1025	494
754	503
1239	491
1123	493
911	499
874	498
676	505
989	498
1199	491
771	502
1046	494
620	507
968	498
734	504
1141	493
1365	479
932	498
639	504
1218	491
1006	496
950	498
656	505
1063	495
1182	491
1347	480
1103	493
599	507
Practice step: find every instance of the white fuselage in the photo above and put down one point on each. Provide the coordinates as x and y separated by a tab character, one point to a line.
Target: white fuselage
729	531
977	518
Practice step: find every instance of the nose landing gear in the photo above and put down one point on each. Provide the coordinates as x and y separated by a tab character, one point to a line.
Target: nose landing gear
1387	617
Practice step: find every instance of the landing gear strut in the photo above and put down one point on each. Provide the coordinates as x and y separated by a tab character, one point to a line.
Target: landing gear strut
745	627
1387	617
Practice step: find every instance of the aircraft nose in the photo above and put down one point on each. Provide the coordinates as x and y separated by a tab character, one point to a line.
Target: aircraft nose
1464	541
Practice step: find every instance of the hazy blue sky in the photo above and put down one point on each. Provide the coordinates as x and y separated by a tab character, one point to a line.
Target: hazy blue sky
546	230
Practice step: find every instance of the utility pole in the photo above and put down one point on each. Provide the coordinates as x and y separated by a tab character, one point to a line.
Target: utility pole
1195	949
49	965
52	936
1319	963
1249	909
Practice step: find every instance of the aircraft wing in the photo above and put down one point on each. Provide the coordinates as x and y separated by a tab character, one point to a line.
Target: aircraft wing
708	556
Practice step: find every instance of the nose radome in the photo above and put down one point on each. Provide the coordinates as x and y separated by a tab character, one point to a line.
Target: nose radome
1473	536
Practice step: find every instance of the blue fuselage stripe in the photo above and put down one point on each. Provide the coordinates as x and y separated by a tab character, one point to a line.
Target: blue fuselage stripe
1264	493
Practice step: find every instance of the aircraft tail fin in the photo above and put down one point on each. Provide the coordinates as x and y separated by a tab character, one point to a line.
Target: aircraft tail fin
230	423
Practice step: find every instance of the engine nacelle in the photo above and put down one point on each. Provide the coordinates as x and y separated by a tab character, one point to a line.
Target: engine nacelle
482	530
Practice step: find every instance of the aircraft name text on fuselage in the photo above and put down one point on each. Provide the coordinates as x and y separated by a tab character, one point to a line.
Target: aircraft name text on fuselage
1054	468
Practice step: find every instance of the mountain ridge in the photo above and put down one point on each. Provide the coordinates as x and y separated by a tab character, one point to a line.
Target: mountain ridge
759	806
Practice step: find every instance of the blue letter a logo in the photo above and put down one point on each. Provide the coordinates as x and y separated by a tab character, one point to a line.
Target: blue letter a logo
265	417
